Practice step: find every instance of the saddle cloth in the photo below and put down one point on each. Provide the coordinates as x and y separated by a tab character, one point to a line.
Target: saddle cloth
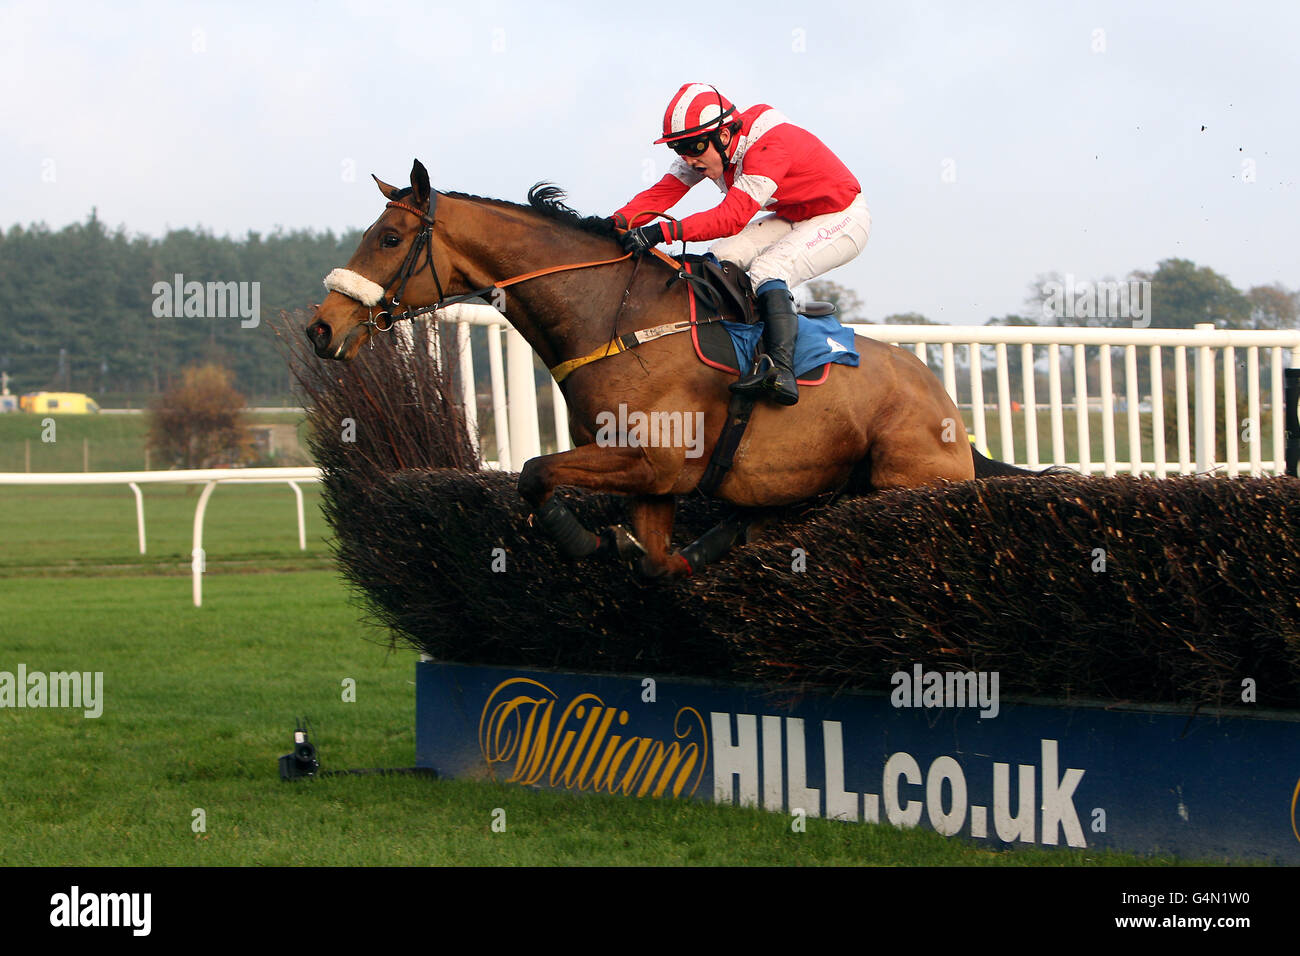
821	341
730	346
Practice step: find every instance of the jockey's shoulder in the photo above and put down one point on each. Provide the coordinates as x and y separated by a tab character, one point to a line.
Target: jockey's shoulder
763	120
749	116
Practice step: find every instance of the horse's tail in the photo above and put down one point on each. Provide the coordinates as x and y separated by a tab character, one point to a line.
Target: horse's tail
990	468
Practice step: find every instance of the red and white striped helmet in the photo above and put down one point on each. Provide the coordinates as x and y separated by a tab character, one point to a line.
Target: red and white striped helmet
696	108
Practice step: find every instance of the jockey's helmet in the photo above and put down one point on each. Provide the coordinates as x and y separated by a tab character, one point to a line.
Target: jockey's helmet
695	115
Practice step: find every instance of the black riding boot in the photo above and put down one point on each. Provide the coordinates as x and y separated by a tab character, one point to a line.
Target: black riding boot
773	375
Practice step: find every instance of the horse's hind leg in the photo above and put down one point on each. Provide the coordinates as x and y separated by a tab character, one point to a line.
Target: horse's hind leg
901	461
715	542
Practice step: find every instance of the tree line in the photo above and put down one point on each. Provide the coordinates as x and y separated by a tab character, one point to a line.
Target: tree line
1177	294
84	311
88	309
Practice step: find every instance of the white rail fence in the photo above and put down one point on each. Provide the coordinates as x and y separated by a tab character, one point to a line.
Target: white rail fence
1132	402
1217	354
209	478
518	431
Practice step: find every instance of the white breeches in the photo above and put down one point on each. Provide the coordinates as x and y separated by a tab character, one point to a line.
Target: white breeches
776	248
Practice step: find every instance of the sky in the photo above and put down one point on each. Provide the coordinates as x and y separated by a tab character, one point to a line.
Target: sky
995	142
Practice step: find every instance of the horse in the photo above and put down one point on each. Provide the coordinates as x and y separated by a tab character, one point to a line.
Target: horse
886	423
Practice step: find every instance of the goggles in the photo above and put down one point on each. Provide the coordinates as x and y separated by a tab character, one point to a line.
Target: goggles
690	146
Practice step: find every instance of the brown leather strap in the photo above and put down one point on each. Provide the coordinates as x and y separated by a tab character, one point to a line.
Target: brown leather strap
553	269
663	256
669	260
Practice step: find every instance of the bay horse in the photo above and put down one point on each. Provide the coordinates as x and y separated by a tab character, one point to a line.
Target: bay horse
887	423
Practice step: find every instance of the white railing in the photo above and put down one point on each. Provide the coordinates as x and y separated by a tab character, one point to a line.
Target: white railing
1194	399
516	425
1141	408
208	477
518	431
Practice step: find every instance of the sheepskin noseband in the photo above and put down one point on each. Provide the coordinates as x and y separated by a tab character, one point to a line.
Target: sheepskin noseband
355	286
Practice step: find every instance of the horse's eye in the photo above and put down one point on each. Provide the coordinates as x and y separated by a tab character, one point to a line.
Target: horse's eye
391	241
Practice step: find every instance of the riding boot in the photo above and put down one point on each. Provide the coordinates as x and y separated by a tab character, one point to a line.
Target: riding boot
773	374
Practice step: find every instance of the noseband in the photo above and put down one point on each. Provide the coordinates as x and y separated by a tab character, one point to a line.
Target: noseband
371	294
423	243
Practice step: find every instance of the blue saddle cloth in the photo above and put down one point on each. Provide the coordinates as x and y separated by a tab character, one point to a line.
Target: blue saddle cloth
819	341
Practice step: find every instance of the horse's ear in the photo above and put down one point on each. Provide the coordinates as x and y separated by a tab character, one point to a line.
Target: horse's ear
420	184
388	191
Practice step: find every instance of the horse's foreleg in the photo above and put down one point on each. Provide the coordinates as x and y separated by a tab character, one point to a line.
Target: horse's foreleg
652	520
617	470
652	523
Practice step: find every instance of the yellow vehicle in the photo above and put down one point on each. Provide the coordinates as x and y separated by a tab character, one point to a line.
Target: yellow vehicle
64	403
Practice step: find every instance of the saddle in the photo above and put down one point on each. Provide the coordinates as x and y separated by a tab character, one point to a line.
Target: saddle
724	290
726	327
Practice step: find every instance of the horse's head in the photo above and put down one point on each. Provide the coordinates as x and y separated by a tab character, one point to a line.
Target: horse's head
391	266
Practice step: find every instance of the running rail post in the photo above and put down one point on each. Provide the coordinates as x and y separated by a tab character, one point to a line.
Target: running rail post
302	523
198	560
139	512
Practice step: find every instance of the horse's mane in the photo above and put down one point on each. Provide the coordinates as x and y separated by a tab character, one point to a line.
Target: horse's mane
548	200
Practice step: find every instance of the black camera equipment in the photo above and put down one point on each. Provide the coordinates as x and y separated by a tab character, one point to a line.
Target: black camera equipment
302	762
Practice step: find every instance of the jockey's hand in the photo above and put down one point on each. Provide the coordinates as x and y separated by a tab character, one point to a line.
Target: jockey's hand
619	220
643	238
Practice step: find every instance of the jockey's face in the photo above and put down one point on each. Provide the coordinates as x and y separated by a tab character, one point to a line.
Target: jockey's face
709	162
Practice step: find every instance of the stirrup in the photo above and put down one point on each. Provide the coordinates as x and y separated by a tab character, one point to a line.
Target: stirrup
756	380
769	380
783	387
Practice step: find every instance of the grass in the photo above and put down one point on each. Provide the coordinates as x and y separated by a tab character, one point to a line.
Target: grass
92	529
199	704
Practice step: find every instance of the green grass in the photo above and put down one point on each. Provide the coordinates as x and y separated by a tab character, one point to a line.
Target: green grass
92	529
1070	438
199	704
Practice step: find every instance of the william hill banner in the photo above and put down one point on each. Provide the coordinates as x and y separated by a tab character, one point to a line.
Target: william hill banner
963	764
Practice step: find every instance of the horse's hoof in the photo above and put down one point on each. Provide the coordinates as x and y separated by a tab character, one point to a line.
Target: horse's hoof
650	570
675	567
619	542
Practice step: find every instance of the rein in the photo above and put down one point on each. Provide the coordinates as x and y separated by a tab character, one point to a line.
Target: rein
424	243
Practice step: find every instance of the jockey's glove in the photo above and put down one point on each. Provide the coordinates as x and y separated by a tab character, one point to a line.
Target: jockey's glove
619	220
643	238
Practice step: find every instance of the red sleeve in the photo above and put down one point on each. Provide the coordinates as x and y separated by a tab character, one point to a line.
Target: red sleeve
725	219
660	197
765	166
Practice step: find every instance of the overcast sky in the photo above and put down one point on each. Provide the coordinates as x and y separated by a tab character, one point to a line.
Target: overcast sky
994	141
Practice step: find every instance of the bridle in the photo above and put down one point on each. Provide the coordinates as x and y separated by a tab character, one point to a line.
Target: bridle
423	243
362	288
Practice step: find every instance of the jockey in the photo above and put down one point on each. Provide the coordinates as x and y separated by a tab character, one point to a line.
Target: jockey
759	160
